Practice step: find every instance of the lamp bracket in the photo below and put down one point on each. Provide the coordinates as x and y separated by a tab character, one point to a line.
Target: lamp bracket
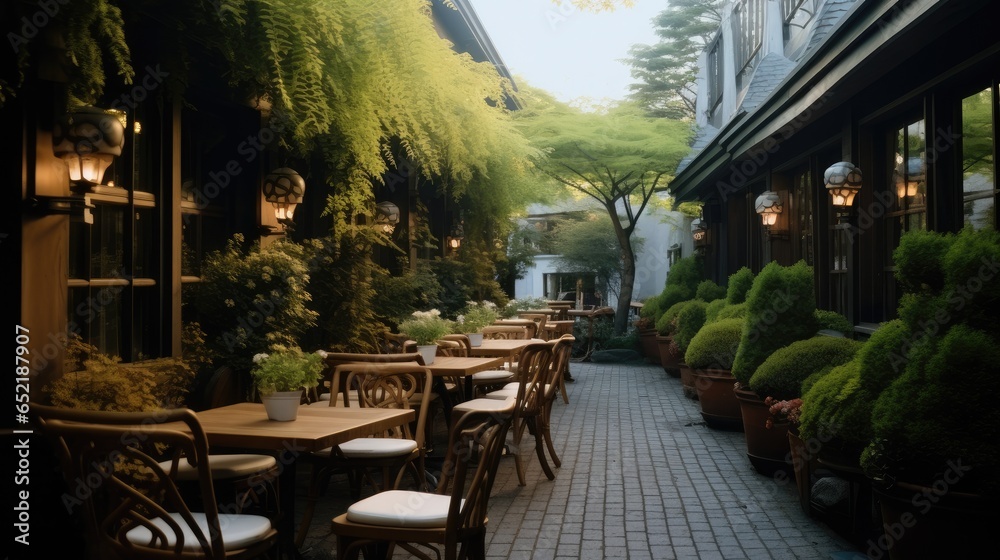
78	207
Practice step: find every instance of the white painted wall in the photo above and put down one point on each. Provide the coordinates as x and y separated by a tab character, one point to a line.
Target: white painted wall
659	229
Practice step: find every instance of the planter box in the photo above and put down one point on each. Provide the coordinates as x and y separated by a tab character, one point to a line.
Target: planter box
647	341
687	381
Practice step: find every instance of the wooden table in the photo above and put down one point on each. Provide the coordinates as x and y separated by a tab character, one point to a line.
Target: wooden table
508	349
458	366
245	426
561	327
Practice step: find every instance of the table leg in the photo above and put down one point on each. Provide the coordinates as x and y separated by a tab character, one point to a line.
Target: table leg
286	498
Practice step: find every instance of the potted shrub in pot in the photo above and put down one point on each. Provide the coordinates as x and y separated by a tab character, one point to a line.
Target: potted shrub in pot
781	378
934	454
711	354
280	377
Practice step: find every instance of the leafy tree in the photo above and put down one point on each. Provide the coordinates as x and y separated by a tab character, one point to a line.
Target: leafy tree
666	71
618	157
590	246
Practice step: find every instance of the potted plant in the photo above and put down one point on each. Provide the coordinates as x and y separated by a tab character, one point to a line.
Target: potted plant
426	328
666	327
473	318
280	377
934	457
781	377
645	325
710	354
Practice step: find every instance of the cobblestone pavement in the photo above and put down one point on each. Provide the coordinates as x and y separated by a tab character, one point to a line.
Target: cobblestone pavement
642	477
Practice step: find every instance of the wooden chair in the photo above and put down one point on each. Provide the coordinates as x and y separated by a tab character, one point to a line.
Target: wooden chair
506	332
540	320
529	392
397	451
137	510
334	359
454	517
395	343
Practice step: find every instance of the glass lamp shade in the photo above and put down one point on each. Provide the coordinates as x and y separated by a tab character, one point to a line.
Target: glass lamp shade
697	225
768	205
454	242
843	181
386	216
284	189
88	139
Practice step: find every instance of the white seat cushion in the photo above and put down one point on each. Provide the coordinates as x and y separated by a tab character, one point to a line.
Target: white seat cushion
483	405
502	394
235	465
373	448
401	508
238	531
492	375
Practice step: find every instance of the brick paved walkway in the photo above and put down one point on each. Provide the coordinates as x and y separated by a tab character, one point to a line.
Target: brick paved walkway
642	478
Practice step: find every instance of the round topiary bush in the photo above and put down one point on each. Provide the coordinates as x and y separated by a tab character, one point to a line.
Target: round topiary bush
714	346
780	309
690	319
833	321
732	311
739	286
666	324
783	372
712	311
709	291
941	411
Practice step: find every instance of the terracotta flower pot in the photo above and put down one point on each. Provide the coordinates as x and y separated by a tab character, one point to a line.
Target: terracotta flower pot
767	448
670	358
719	406
932	522
804	465
687	381
647	341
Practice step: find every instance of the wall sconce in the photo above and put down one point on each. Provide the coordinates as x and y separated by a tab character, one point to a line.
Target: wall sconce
768	206
843	181
386	216
454	240
699	230
88	139
284	189
909	176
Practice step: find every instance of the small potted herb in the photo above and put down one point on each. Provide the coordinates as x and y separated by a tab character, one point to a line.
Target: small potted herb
281	375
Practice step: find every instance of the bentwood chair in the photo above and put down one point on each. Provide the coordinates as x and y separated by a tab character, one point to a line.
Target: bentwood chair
454	517
528	394
383	460
137	510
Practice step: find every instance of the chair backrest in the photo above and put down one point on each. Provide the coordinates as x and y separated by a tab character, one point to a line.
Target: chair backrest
562	349
475	446
509	332
455	345
538	318
394	343
531	326
533	370
389	385
334	359
119	455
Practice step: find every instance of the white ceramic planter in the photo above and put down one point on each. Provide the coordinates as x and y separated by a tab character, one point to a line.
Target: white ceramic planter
428	352
476	339
282	406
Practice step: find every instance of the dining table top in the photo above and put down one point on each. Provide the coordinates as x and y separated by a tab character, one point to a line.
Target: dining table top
246	425
464	366
503	347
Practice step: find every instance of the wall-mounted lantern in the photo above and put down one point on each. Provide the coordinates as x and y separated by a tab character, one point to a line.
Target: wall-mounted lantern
386	216
768	206
456	236
843	181
284	189
909	176
699	230
88	139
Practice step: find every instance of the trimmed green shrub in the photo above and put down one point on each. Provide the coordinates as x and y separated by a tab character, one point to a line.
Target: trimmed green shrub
672	295
783	372
739	286
651	309
712	311
918	260
830	413
833	321
666	324
690	319
941	410
971	283
780	309
709	291
687	272
714	346
732	311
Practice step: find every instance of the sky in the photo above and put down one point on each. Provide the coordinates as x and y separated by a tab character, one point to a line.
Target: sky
565	51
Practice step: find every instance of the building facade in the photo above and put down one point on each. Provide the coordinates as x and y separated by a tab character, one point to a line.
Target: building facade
905	91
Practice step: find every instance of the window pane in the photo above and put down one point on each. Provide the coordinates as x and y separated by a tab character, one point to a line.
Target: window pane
96	315
143	246
978	171
144	322
107	242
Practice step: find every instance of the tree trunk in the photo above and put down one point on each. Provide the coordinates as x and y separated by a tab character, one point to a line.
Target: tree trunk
625	292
